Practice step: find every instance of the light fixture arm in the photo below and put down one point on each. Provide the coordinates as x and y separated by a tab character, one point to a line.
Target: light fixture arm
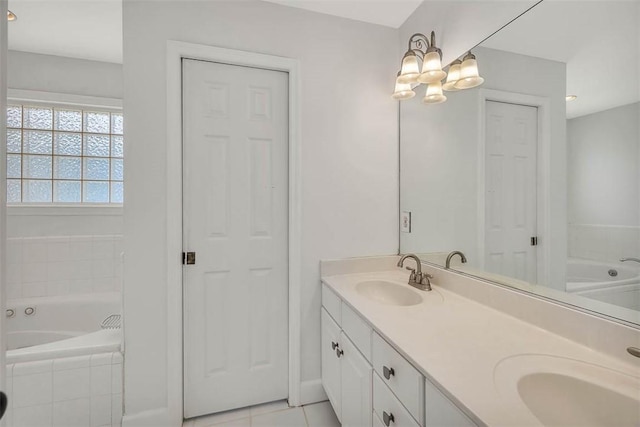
421	45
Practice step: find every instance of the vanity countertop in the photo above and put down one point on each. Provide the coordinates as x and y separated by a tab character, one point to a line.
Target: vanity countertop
470	350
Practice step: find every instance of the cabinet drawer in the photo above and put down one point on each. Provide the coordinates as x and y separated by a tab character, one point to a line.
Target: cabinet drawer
386	405
357	330
331	303
403	379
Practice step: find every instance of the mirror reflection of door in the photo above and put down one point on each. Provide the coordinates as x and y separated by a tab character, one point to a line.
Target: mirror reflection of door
511	146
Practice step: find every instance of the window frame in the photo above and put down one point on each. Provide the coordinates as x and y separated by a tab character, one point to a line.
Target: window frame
62	101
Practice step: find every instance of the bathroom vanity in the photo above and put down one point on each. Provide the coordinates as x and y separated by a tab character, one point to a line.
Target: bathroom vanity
393	355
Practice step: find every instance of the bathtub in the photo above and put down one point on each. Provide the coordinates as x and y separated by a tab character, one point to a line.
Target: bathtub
62	368
60	326
592	279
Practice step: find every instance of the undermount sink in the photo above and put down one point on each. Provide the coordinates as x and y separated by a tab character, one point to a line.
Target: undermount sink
560	391
388	293
562	400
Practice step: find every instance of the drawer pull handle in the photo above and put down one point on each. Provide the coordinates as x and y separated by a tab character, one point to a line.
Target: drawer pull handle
334	345
387	418
388	372
339	352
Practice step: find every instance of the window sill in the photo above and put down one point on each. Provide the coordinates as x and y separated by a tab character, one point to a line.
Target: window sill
71	209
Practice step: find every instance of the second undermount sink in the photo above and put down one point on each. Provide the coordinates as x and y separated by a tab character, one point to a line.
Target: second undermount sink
561	391
563	400
388	293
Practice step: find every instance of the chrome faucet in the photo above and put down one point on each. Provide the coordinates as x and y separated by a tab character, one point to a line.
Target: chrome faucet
417	279
463	258
630	259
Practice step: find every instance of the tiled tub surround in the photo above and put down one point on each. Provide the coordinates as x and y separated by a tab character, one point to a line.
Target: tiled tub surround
62	368
459	342
65	265
78	391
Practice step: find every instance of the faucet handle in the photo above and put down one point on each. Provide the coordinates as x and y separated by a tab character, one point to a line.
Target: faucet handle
413	277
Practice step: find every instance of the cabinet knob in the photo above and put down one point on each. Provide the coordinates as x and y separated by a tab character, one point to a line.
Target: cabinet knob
339	352
387	372
387	418
334	345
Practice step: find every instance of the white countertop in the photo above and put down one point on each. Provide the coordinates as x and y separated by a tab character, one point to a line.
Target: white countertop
457	343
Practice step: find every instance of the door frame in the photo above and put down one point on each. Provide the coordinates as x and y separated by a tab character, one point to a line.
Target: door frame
176	51
543	182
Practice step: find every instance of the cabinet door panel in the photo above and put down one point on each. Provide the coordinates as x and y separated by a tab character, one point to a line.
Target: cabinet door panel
357	405
331	375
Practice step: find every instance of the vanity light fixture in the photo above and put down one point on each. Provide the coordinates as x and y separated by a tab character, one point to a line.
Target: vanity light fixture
463	74
469	76
402	90
570	98
11	16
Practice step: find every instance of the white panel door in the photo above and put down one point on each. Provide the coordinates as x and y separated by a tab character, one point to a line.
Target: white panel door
511	190
235	202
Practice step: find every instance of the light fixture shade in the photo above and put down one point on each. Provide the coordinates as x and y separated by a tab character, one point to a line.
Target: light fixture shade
434	94
410	70
11	16
469	76
431	68
402	91
453	76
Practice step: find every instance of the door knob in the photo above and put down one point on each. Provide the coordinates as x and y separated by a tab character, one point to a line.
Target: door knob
339	352
334	345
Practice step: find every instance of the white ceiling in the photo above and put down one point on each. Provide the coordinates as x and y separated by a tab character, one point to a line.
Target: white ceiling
92	29
390	13
598	40
88	29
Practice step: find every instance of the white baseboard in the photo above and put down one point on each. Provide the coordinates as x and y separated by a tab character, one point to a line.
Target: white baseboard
153	418
311	391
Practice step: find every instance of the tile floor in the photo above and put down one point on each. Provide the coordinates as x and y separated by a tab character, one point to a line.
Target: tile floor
275	414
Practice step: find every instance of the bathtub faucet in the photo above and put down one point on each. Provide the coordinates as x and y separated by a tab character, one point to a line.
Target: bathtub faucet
630	259
463	258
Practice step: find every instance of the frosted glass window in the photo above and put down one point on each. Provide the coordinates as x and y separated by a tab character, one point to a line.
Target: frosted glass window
14	141
96	122
67	191
116	192
96	169
116	124
14	166
64	155
37	167
39	191
14	116
67	168
96	145
117	146
14	191
116	169
95	192
68	144
37	118
68	120
37	142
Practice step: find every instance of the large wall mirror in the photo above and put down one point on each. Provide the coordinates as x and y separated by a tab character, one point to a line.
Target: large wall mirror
540	192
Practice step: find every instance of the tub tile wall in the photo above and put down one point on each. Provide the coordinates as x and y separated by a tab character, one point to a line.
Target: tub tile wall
73	391
603	242
51	266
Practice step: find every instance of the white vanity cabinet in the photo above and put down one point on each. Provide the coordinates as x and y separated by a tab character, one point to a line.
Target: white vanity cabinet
369	383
